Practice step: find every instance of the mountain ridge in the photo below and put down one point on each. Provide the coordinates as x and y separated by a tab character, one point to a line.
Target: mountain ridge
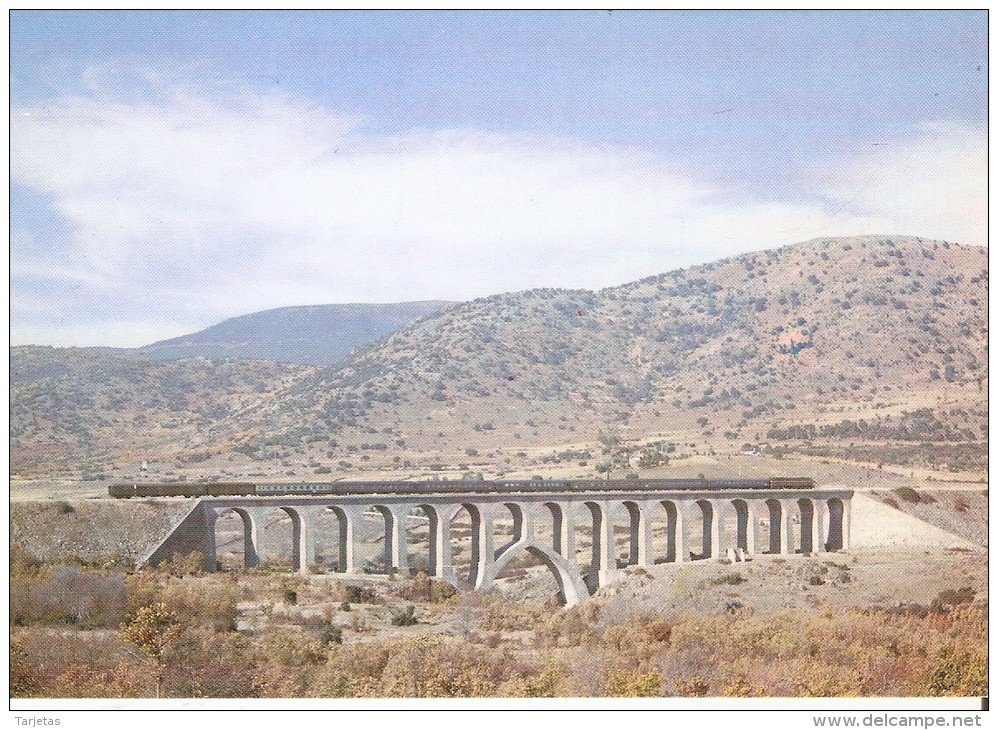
319	334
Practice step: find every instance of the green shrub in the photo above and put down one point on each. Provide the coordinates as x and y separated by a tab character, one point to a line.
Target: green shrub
406	618
331	635
729	579
908	494
951	597
359	594
441	590
958	673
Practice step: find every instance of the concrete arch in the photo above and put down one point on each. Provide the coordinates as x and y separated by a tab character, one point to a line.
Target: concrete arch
744	536
478	539
439	559
836	525
571	587
251	534
636	528
395	555
675	530
708	517
516	512
558	537
775	526
343	535
597	562
807	536
297	533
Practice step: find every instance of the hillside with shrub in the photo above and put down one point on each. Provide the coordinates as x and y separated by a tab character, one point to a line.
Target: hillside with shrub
868	350
78	411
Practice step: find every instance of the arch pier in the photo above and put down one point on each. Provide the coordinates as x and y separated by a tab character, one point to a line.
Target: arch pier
570	531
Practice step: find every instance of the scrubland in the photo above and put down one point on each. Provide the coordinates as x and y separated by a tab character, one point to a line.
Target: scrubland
98	630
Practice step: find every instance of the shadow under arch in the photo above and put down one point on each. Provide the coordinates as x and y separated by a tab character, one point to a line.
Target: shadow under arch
435	557
342	537
707	518
516	513
476	527
251	558
296	535
742	525
571	588
836	513
806	510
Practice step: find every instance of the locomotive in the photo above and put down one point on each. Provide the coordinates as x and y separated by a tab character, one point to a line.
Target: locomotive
241	489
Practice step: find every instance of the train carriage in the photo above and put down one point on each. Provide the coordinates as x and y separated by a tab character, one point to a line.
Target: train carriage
236	489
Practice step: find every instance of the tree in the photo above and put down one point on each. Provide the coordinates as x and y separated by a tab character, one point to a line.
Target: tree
152	630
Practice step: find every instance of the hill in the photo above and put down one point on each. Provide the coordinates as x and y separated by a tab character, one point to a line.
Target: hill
872	346
316	335
868	350
76	411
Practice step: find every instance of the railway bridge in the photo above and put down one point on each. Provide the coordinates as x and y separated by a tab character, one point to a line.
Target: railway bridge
583	533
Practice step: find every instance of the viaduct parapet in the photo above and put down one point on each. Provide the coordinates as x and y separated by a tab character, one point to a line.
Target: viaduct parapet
730	524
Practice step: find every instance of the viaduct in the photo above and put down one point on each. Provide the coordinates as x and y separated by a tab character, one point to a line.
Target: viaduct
721	523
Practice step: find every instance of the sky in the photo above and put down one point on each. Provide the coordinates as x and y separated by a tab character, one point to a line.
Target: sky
171	169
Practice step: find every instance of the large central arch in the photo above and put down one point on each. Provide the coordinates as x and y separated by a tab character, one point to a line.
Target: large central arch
571	587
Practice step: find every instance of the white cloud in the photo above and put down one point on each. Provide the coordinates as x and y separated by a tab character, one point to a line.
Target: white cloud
197	208
931	183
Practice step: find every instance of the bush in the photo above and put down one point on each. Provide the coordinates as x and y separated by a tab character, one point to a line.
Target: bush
908	494
952	598
331	635
636	683
729	579
290	596
441	590
68	594
406	618
359	594
958	673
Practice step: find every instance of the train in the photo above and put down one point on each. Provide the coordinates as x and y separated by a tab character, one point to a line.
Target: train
246	489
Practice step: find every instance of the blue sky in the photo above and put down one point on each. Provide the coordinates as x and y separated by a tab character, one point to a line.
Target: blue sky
172	169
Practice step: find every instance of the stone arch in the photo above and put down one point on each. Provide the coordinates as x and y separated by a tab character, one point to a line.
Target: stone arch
836	520
571	587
